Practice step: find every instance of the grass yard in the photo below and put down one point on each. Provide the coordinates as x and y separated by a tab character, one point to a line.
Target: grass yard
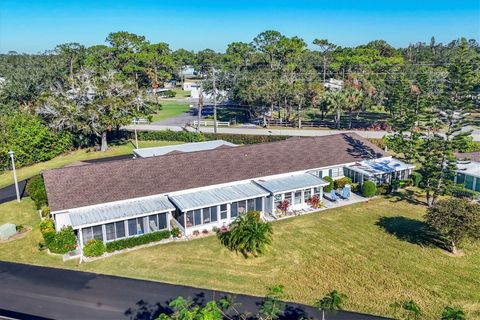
375	252
6	177
169	109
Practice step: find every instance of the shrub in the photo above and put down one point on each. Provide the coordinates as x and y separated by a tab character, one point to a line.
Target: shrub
175	232
283	206
19	228
167	94
315	202
384	188
356	187
94	248
47	228
45	211
417	178
169	135
36	189
461	192
196	233
64	241
137	241
369	189
254	214
330	186
340	183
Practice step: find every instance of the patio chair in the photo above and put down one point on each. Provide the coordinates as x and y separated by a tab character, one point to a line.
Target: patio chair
332	196
345	194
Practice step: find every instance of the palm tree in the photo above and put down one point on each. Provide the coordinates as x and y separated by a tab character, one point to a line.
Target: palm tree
353	99
450	313
331	302
336	100
248	235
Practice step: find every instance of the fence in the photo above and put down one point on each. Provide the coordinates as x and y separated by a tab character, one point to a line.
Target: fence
206	123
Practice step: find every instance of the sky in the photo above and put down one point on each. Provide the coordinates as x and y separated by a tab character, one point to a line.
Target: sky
36	26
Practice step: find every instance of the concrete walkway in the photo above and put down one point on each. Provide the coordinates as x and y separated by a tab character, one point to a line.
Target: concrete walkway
41	292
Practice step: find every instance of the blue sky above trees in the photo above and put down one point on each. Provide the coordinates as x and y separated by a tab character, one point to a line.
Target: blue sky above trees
32	26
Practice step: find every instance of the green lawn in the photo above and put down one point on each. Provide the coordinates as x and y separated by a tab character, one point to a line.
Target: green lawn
169	109
347	249
6	177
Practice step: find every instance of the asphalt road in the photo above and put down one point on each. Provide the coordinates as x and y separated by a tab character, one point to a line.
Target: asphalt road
8	193
31	292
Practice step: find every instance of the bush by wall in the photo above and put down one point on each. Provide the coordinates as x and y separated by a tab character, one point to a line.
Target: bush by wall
369	189
340	183
137	241
417	178
94	248
31	140
330	186
462	192
169	135
58	242
385	188
36	190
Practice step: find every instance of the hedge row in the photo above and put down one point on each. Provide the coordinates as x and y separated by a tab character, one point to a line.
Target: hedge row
137	241
187	136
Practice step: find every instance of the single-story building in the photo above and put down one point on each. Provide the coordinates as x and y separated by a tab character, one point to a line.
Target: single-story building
201	190
468	170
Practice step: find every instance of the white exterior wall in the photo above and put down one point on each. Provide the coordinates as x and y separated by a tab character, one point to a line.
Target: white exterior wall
62	220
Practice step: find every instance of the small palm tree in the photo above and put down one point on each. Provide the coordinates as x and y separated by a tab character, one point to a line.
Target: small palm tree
331	302
248	235
450	313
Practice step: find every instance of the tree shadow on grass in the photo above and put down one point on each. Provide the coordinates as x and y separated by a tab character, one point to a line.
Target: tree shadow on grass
408	195
413	231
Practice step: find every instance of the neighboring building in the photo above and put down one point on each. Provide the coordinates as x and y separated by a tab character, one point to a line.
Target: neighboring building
334	84
187	86
468	170
200	190
178	148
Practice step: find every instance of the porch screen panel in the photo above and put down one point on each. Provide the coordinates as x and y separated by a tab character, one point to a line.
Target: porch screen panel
162	221
197	217
87	234
189	218
132	227
97	233
469	182
234	210
251	205
298	197
213	214
259	204
206	215
120	229
110	231
153	223
242	207
307	194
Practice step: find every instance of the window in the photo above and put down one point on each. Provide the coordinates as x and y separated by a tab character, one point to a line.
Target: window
197	217
460	178
307	194
234	210
288	197
206	215
251	204
298	197
162	221
477	185
223	211
469	182
132	227
153	223
120	229
213	213
336	172
97	233
316	191
259	204
190	222
110	231
87	234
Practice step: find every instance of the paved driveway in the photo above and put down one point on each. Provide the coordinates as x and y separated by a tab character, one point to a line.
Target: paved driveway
66	294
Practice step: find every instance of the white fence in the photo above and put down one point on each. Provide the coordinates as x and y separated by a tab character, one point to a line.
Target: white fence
206	123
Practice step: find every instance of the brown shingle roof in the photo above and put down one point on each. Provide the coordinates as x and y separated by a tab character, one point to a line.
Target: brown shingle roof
474	156
125	179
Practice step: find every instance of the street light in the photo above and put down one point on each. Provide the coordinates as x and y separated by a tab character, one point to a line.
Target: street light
14	175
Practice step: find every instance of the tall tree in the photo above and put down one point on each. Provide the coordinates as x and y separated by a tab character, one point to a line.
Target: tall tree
325	49
74	55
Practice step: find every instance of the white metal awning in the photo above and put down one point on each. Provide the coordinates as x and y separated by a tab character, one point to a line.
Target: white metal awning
216	196
290	183
117	211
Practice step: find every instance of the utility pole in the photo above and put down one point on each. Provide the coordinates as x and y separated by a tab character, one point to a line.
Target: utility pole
135	129
214	101
14	175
